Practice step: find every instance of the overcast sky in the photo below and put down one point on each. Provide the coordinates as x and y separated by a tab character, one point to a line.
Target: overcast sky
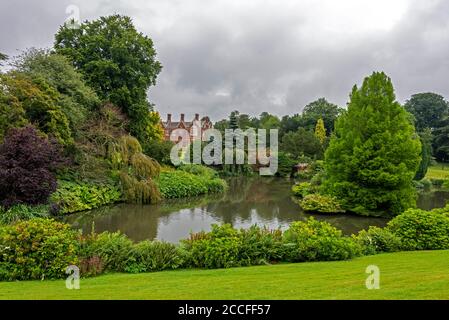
255	55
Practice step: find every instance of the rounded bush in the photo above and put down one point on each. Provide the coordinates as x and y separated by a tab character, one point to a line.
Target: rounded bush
147	256
219	248
421	230
318	241
37	249
321	204
376	240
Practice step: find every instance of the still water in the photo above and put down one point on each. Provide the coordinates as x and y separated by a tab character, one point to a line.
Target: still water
248	201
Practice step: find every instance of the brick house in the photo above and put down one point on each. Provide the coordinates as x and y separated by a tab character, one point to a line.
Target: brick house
194	127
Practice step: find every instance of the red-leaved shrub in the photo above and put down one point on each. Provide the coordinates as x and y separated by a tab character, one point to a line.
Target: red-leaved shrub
27	165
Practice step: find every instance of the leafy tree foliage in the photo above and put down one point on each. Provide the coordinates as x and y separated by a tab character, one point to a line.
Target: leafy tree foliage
75	98
426	153
441	140
320	131
40	102
320	109
118	62
12	114
428	109
289	124
375	152
268	121
302	143
27	165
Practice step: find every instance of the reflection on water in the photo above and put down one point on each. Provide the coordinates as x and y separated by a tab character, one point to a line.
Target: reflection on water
248	201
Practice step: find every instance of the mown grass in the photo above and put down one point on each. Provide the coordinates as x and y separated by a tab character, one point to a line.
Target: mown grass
404	275
438	171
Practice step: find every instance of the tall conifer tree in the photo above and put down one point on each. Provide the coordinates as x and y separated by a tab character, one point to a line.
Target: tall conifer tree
375	152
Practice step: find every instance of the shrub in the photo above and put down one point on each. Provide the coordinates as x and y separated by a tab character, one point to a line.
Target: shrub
23	212
41	104
260	246
159	150
376	240
421	230
27	165
37	249
217	249
147	256
318	241
285	164
113	249
179	184
302	189
79	196
437	182
425	184
199	170
321	204
137	171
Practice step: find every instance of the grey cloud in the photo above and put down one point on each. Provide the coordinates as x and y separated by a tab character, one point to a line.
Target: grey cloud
262	56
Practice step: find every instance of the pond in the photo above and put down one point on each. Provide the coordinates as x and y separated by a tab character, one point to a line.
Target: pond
248	201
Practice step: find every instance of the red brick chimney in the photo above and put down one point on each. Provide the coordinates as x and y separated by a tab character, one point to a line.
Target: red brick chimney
182	117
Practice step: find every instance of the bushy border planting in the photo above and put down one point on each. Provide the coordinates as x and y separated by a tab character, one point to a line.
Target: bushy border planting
43	248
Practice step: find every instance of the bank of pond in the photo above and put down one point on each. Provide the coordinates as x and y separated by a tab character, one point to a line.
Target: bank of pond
43	248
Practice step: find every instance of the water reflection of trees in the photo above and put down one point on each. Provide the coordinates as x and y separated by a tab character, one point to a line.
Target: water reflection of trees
248	200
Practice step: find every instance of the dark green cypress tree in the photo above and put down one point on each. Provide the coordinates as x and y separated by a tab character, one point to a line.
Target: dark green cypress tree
374	153
233	120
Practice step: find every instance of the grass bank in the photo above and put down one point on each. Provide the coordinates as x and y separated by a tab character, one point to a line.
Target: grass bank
404	275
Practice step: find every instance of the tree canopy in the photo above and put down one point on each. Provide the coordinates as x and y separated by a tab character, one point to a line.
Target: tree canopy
320	109
374	153
118	62
428	109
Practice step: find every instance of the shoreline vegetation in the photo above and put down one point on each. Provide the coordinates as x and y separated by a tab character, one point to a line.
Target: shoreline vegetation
42	248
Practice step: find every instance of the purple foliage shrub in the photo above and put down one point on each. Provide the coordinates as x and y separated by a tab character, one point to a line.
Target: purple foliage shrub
27	167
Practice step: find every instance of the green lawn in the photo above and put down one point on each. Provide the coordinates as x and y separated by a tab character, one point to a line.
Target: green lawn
438	171
405	275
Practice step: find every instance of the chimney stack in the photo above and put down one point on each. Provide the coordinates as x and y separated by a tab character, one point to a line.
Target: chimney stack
197	117
182	117
169	117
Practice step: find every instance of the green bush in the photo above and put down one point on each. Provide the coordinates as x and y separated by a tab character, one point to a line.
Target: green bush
260	246
421	230
23	212
318	241
302	189
377	240
37	249
426	183
113	250
180	184
199	170
321	204
217	249
80	196
437	182
147	256
285	164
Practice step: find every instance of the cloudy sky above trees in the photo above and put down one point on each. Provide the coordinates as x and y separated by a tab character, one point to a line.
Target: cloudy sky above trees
256	55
